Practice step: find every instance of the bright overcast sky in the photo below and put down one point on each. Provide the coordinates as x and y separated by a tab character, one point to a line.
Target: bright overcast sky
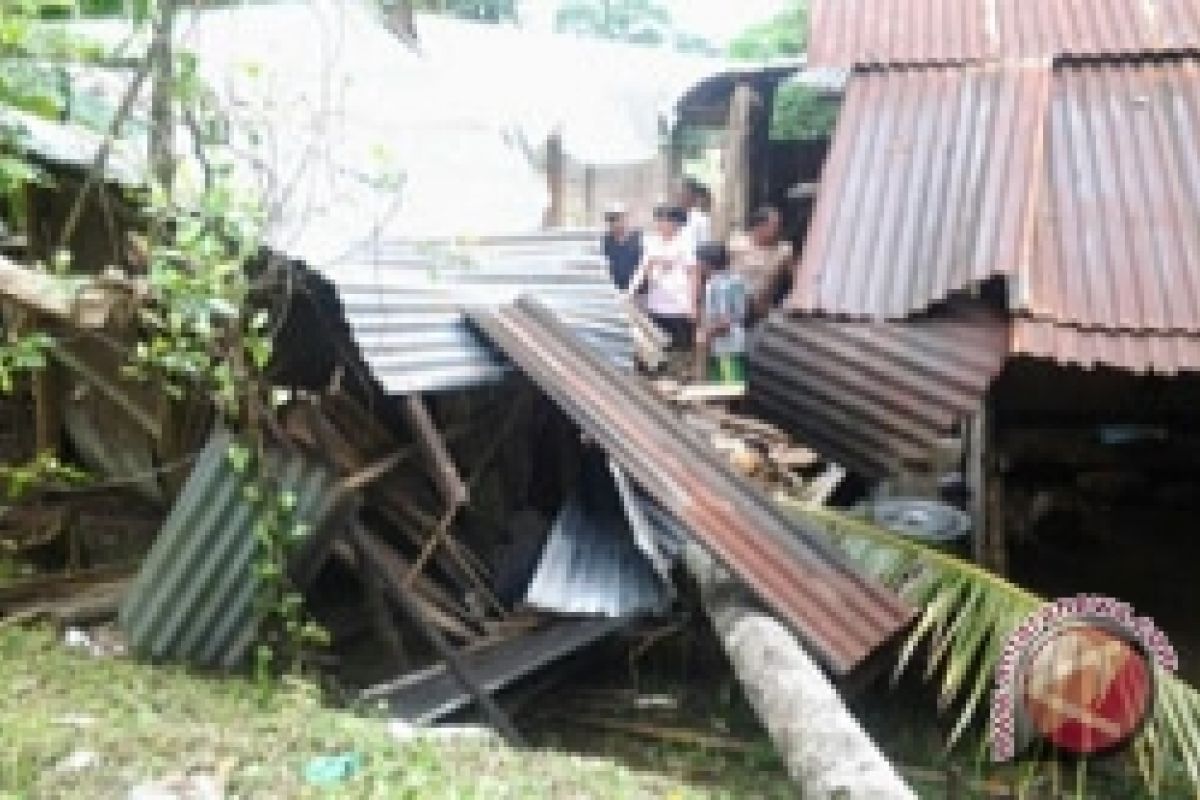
721	20
716	20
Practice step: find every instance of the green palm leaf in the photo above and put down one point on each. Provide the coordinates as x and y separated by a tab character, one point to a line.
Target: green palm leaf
966	614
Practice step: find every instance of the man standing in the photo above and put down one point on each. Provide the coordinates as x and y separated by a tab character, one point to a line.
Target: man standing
764	260
622	245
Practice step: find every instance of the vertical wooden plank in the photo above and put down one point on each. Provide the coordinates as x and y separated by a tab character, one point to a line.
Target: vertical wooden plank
976	484
732	210
997	544
47	409
556	181
986	483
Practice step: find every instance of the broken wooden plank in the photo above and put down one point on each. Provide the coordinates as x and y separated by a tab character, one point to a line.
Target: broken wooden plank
400	595
698	393
59	586
438	605
84	604
437	454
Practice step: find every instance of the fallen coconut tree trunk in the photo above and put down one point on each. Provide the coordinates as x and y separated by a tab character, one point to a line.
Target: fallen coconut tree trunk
826	751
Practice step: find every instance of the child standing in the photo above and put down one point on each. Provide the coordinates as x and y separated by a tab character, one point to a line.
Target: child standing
723	323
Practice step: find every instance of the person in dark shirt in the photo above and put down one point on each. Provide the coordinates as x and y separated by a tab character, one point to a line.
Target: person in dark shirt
622	246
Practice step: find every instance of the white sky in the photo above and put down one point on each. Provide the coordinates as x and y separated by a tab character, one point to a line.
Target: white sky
722	20
718	20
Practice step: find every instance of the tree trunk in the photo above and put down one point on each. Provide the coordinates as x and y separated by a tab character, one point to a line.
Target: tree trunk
824	748
162	132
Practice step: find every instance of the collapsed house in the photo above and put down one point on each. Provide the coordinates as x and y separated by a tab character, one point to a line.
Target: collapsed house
1002	276
484	485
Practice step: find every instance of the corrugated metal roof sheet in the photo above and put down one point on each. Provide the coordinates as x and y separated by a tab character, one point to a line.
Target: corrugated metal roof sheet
874	396
841	616
590	564
428	695
1081	186
1117	244
846	33
1159	353
194	597
404	303
929	189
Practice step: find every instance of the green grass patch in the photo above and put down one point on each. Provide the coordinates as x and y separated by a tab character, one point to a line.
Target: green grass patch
145	723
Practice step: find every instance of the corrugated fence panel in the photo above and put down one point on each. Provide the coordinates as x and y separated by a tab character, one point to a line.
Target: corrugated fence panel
874	396
195	597
841	615
929	189
404	303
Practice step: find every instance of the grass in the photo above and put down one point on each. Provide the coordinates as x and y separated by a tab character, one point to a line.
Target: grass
146	723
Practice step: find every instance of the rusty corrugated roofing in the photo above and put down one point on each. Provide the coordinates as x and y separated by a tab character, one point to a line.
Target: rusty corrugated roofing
874	396
841	616
1080	186
1158	353
1117	244
845	33
929	188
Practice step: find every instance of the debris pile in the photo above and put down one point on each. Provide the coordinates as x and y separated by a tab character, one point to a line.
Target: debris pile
483	485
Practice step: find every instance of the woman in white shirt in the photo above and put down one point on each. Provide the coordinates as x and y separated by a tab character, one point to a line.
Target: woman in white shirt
668	272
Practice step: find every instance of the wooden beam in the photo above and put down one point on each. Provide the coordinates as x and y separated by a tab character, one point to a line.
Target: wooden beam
399	594
437	454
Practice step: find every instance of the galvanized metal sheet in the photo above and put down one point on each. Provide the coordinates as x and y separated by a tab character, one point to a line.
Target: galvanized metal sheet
874	396
929	189
591	564
846	33
429	695
404	303
840	615
194	598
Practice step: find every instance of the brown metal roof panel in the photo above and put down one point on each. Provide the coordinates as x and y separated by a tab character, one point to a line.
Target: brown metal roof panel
1047	28
929	189
1178	23
1117	245
1143	353
874	396
840	615
847	33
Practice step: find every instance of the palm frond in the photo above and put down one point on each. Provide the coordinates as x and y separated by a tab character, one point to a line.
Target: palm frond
965	616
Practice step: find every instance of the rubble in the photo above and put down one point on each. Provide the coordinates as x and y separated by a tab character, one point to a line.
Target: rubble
471	534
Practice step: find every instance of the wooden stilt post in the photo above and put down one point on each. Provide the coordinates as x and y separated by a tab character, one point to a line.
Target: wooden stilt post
985	480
